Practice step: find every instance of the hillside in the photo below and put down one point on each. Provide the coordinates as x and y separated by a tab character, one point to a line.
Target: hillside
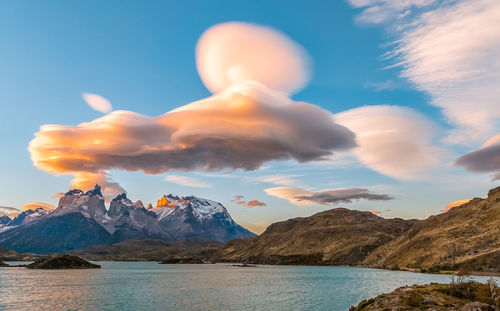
467	237
335	237
148	249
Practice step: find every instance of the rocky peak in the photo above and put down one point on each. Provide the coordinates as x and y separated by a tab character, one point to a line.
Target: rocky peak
95	191
167	201
494	193
119	205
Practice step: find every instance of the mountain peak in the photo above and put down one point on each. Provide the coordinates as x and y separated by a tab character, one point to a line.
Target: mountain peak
95	191
120	196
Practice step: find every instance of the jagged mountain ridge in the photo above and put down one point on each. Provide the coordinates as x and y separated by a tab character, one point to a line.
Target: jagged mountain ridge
82	220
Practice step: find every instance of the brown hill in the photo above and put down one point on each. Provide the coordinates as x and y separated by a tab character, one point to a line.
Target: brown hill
467	237
335	237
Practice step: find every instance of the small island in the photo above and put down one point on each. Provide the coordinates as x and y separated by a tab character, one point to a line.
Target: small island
63	262
458	295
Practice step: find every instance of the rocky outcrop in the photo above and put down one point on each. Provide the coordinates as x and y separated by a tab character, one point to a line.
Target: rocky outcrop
63	262
466	296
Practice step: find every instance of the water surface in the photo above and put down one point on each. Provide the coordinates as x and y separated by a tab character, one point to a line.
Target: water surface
151	286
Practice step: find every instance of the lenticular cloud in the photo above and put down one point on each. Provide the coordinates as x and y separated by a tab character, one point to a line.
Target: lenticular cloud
238	129
231	53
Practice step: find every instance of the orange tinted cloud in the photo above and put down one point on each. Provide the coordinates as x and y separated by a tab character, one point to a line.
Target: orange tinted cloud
35	205
375	212
453	204
253	203
240	128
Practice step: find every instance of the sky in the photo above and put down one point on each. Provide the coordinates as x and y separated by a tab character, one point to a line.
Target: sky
274	110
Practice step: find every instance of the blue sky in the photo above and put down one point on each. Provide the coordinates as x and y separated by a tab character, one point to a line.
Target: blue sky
141	57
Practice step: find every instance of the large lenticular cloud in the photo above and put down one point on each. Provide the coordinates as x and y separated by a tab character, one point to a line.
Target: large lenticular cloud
248	122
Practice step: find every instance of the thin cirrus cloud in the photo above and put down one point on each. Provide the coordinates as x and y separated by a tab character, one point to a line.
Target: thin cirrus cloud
186	181
395	141
97	102
278	179
448	50
299	196
249	121
484	160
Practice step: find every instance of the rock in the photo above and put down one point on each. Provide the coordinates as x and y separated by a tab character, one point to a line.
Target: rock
2	264
63	262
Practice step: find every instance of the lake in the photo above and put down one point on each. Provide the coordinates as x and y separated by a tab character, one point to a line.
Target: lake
151	286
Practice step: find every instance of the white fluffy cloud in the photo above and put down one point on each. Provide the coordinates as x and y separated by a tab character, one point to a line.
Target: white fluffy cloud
97	102
394	141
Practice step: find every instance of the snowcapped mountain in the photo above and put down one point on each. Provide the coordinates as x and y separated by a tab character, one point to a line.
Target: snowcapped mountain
81	220
191	216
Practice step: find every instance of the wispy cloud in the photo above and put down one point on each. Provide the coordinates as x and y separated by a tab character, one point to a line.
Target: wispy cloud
453	204
277	179
301	196
97	102
388	85
449	50
187	181
9	211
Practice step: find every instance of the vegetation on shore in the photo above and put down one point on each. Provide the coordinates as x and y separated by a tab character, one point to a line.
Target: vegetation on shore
460	294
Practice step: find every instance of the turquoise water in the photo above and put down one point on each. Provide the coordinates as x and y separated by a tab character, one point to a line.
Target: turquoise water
151	286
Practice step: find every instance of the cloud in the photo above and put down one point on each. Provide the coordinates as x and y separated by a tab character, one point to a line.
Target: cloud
186	181
388	85
253	203
379	11
35	205
97	102
448	50
453	204
241	128
299	196
58	194
394	141
484	160
235	52
374	212
277	179
238	199
11	212
87	180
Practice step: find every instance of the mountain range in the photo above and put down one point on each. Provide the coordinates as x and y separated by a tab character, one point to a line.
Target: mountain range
81	220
